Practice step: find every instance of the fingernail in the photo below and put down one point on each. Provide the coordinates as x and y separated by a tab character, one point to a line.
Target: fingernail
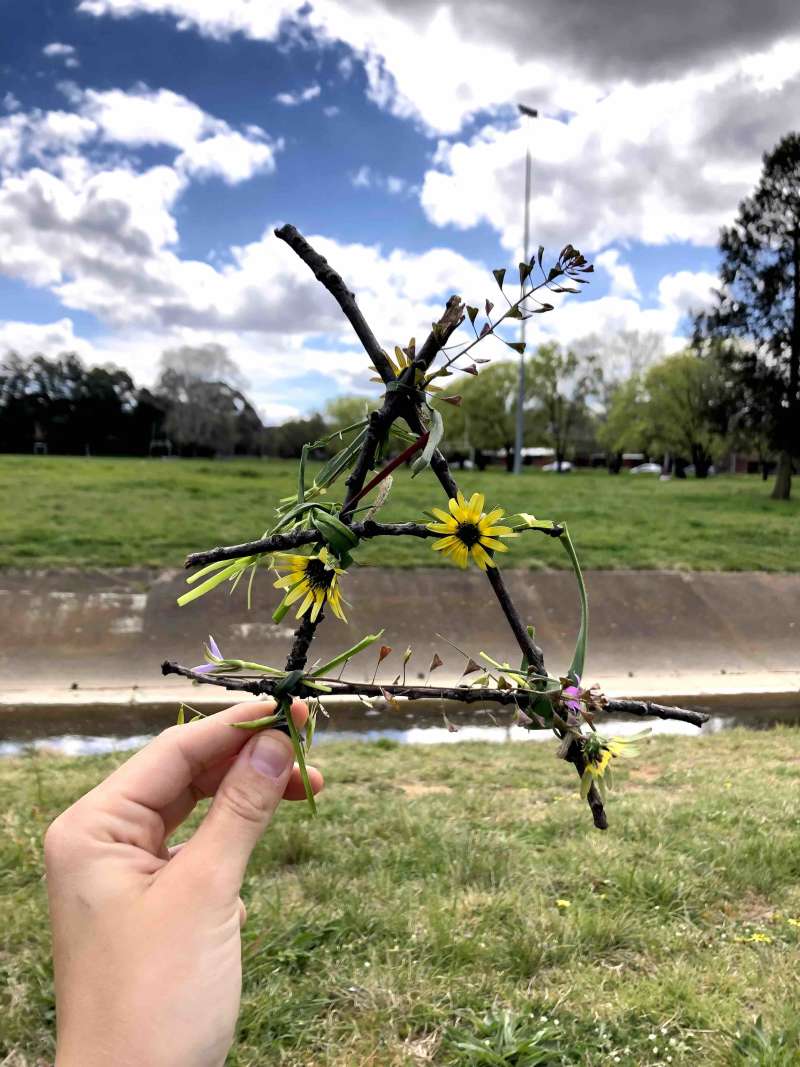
269	756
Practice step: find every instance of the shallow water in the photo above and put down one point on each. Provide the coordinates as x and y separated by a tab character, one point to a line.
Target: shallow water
94	730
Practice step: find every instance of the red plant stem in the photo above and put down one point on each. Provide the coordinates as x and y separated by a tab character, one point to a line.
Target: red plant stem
406	454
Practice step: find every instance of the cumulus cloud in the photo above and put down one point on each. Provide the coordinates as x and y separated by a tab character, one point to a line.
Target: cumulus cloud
66	144
631	166
623	282
422	61
49	339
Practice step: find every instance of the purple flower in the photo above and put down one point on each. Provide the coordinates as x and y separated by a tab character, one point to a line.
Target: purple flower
213	657
572	695
204	668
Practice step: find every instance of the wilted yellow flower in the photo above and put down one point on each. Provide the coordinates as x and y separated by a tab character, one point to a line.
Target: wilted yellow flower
315	578
469	531
599	751
563	903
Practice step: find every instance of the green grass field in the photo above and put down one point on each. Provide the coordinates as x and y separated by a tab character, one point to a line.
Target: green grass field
76	512
419	918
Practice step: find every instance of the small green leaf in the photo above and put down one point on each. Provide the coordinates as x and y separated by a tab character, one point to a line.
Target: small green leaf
575	671
343	657
472	312
435	434
499	276
518	346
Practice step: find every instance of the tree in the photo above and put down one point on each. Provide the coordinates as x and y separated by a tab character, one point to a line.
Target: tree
206	411
65	406
561	384
626	426
758	302
621	359
683	394
485	419
343	411
287	440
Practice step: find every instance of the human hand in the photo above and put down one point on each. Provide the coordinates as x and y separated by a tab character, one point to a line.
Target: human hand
146	938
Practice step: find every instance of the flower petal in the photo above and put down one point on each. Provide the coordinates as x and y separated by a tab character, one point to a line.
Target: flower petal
496	546
475	507
297	592
498	531
492	516
483	559
309	600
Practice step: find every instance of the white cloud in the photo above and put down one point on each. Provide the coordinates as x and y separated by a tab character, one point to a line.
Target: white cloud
423	61
367	178
10	102
631	166
56	49
49	339
229	156
207	146
300	96
362	179
623	282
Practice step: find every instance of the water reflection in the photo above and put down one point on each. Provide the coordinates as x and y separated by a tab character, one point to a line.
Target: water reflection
100	730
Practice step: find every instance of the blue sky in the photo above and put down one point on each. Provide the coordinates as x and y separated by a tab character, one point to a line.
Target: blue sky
147	148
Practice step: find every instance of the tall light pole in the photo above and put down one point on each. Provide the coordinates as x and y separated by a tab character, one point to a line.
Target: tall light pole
532	113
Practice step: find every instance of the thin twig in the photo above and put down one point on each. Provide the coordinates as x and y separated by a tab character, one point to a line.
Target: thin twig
457	694
365	531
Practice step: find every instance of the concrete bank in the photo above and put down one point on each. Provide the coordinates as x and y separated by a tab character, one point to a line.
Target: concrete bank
77	638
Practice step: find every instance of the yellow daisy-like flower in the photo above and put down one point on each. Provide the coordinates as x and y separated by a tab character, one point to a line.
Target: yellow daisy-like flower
599	752
469	531
315	578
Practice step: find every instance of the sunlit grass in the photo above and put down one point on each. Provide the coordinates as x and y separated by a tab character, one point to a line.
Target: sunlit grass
419	919
69	511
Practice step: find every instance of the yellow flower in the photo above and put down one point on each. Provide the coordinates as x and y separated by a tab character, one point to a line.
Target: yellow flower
315	578
598	752
563	903
469	531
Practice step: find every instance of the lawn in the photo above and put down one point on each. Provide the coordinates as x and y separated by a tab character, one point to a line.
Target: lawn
452	905
76	512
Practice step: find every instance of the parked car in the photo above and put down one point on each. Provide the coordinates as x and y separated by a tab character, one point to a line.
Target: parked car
647	468
566	466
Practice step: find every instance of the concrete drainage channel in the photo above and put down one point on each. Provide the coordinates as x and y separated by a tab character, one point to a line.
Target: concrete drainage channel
80	652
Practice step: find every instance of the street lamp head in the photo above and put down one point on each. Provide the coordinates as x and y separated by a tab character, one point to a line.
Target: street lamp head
531	112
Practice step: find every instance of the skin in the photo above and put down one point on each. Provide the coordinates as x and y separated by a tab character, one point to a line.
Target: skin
146	938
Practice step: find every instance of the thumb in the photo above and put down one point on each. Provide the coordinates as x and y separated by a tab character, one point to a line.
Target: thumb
243	806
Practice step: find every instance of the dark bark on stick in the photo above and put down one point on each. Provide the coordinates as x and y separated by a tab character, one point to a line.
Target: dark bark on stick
297	538
505	697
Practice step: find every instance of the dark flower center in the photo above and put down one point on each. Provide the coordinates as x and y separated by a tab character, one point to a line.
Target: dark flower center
468	534
318	575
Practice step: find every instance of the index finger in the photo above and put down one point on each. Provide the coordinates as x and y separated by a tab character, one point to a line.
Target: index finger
161	771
